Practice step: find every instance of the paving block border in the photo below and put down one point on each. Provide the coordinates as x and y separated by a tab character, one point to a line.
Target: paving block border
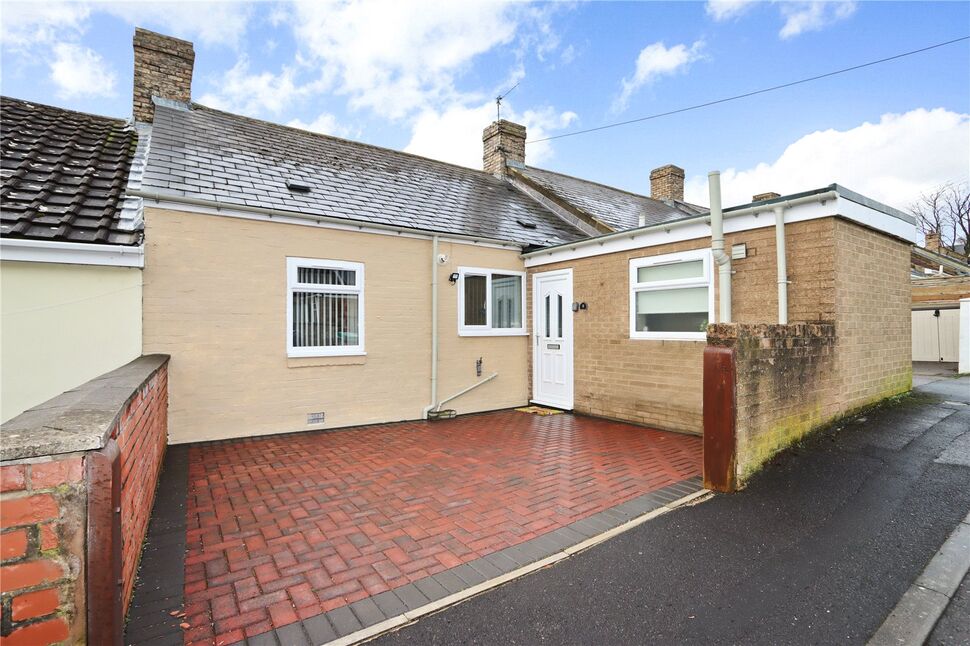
921	606
373	616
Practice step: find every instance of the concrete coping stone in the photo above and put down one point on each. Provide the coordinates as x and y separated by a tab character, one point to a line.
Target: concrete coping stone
80	419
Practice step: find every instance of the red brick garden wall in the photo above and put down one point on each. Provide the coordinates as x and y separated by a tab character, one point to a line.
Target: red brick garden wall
142	435
49	503
42	511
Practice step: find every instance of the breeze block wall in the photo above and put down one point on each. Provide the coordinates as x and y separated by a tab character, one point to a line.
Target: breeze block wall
785	386
69	559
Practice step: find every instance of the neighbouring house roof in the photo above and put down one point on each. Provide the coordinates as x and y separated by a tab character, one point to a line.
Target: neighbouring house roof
616	208
921	258
64	175
199	152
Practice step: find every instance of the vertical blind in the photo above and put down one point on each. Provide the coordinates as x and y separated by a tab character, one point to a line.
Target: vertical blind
321	319
324	318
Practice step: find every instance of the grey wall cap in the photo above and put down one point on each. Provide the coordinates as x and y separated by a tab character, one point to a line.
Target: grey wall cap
80	419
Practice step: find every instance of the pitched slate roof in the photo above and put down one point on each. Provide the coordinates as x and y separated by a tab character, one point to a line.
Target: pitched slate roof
205	153
614	207
64	175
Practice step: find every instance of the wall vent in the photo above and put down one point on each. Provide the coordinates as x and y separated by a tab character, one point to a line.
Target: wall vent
315	418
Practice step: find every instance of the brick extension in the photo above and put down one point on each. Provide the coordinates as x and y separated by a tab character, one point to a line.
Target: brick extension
288	527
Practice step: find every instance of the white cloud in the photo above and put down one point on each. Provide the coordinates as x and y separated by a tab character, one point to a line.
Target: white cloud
813	16
26	24
401	58
80	71
799	16
892	161
656	60
214	22
721	10
455	134
325	123
254	93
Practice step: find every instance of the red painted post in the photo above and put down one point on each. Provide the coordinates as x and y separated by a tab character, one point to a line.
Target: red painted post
720	416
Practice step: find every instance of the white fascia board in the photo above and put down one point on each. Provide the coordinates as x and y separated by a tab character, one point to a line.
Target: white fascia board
229	212
72	253
674	232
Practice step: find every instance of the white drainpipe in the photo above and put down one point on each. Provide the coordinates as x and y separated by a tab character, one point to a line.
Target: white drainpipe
722	259
434	329
782	263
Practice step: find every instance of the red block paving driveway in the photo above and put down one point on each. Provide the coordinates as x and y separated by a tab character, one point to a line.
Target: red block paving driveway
286	527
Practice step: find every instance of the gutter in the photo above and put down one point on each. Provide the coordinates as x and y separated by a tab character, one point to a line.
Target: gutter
764	207
72	253
279	213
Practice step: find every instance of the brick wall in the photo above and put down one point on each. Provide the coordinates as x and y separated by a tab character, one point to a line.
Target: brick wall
142	435
502	141
872	316
660	383
785	385
41	577
48	502
163	67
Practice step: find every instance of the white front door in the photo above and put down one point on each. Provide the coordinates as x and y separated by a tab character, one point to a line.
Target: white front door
552	357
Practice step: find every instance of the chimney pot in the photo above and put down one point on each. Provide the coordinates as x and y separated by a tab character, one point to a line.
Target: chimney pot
503	144
163	68
761	197
667	183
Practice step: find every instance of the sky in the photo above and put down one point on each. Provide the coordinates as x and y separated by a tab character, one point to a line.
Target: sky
422	77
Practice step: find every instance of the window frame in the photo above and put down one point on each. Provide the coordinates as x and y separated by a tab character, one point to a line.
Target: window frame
707	280
487	329
293	286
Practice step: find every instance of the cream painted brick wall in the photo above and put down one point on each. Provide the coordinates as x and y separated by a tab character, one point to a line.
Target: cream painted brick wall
215	301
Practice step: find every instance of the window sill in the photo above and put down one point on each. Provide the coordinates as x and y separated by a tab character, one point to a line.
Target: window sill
685	336
328	360
492	333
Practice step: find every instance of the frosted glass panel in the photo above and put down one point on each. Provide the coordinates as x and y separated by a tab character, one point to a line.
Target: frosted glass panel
506	301
673	271
672	310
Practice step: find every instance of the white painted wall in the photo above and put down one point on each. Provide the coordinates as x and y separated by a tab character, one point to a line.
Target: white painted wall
61	325
964	366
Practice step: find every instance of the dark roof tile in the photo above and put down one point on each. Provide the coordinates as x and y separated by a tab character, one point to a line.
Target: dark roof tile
614	207
64	174
247	162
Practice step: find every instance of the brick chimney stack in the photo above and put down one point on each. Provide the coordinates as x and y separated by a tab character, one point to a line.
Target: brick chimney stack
761	197
163	68
503	143
932	241
667	183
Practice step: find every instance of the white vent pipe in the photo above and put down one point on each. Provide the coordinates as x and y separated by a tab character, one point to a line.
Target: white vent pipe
782	263
722	259
434	329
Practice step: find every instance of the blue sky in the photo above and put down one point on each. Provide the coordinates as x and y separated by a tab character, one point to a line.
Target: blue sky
421	77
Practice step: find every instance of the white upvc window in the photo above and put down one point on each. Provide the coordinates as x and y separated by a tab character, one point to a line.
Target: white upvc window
671	296
324	308
491	302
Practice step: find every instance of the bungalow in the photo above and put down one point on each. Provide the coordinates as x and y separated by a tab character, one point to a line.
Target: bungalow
300	281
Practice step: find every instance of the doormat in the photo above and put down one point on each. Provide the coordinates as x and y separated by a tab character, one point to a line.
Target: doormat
539	410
